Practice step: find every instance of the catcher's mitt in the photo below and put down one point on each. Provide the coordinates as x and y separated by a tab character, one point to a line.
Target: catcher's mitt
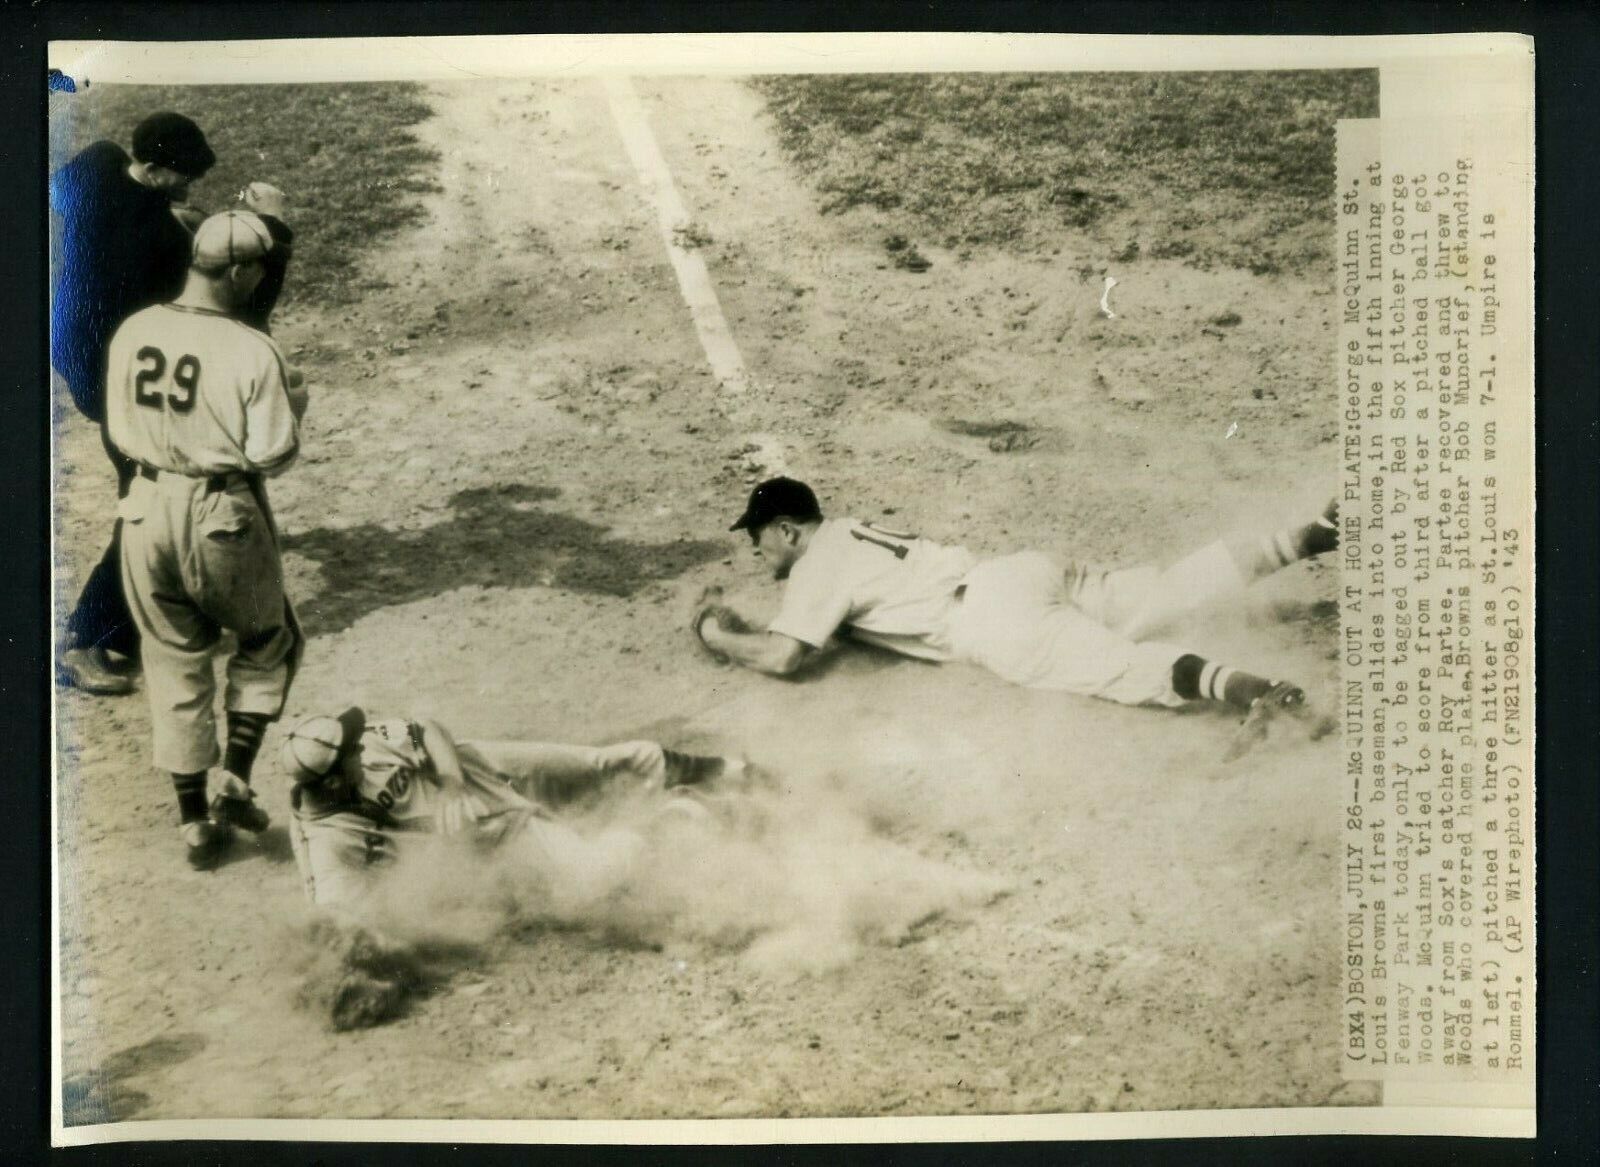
710	607
361	1001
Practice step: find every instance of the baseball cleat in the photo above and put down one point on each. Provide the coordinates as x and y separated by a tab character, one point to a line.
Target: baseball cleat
206	841
89	670
1282	700
691	769
237	806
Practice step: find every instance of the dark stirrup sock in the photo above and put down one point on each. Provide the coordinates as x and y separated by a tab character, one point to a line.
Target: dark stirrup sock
191	791
244	741
1265	554
1196	679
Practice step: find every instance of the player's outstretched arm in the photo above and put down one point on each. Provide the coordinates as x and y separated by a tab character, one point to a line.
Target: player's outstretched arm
764	651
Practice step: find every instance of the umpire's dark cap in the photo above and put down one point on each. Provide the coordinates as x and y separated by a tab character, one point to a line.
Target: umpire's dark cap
778	498
173	141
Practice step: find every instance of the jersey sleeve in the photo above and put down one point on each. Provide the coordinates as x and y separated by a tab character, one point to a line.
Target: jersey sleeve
815	603
272	433
401	740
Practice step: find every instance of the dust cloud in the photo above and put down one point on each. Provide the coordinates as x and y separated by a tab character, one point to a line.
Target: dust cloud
797	881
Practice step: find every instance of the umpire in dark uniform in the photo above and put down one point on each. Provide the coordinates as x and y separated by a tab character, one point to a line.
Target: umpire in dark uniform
124	247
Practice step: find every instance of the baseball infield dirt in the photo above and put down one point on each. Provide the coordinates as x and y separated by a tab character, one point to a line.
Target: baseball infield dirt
517	475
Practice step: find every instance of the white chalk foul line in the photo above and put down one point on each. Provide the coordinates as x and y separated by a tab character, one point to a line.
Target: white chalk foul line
694	281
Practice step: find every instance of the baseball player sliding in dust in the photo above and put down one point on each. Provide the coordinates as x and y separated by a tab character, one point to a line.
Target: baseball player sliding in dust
202	406
1023	616
373	796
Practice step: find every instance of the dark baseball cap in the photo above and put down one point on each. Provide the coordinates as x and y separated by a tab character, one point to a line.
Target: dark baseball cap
173	141
774	498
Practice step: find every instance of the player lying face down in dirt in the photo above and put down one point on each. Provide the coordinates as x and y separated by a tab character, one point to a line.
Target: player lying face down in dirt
1074	629
374	797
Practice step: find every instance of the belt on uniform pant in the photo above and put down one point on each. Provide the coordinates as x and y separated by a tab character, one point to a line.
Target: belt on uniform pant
215	483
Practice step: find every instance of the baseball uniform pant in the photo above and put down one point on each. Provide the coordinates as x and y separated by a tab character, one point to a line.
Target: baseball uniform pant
551	775
200	558
1086	631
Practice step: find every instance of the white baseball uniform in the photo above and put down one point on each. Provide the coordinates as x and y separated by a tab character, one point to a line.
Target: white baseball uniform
343	849
1024	617
200	402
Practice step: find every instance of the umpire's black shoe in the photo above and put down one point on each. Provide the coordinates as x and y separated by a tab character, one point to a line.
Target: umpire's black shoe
238	808
87	669
206	841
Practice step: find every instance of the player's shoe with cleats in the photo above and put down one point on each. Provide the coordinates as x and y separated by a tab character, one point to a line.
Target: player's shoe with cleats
206	842
236	806
691	769
1280	701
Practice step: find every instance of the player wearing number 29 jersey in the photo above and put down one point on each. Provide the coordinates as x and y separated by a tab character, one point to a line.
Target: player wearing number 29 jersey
196	393
202	405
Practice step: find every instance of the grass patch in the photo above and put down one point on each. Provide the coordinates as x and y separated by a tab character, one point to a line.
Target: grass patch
1232	169
344	154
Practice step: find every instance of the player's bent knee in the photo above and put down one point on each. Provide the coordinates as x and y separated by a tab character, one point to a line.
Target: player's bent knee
258	641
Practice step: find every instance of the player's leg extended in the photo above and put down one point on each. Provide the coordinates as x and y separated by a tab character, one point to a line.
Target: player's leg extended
547	773
1015	621
1141	603
553	774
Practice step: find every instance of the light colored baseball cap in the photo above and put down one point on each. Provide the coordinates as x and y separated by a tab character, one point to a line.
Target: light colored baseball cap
229	238
312	748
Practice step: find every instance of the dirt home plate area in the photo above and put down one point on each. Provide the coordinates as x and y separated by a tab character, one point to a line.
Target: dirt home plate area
517	475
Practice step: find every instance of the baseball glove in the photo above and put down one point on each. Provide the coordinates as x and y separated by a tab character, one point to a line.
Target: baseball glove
711	607
361	1001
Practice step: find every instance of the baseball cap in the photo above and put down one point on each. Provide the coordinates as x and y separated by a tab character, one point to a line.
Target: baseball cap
312	748
774	498
173	141
228	238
